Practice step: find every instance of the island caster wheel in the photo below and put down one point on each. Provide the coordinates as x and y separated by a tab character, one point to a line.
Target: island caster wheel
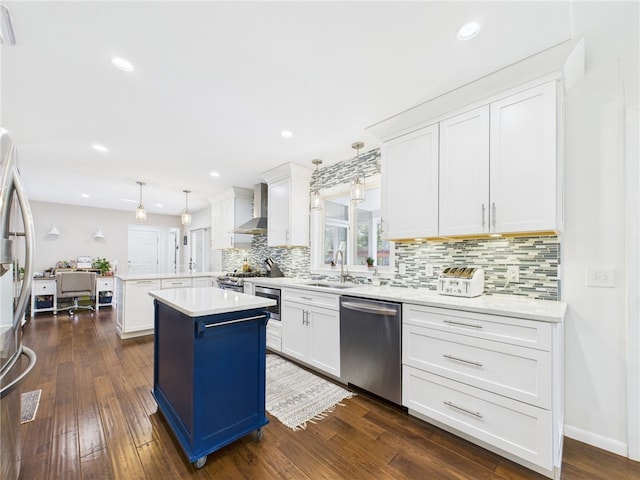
199	463
259	434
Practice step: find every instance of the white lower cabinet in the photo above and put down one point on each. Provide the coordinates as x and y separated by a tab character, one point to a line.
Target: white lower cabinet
202	282
311	329
495	380
134	309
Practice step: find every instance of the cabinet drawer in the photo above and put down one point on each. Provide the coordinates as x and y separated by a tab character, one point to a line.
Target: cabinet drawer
202	282
516	372
44	287
511	330
515	427
175	282
311	298
104	284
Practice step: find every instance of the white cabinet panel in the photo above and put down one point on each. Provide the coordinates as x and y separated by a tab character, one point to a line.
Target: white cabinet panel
464	173
230	209
523	161
410	185
175	283
134	309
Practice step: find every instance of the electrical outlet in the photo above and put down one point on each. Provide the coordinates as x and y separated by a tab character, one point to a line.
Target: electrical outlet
428	270
600	277
402	269
513	273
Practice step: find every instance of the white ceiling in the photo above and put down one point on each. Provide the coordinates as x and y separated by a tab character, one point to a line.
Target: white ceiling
216	82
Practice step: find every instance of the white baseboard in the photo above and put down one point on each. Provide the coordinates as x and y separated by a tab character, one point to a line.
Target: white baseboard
595	440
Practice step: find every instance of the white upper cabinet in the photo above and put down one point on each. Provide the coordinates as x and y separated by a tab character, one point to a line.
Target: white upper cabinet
523	166
288	217
410	185
464	173
229	210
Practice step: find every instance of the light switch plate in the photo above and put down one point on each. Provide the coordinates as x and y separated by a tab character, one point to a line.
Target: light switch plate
600	277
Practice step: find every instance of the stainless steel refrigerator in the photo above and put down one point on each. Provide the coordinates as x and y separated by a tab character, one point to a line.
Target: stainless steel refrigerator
16	249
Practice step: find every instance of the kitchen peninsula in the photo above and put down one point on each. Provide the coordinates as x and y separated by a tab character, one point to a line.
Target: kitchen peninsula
134	307
209	356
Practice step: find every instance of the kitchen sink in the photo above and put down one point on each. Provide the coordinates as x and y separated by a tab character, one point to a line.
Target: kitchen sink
338	286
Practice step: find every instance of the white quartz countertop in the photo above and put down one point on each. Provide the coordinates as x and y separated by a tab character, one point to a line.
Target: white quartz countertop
507	305
164	276
198	302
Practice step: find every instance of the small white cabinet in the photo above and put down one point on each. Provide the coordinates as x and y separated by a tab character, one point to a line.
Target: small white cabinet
311	329
105	289
44	297
410	185
495	379
134	309
288	218
230	209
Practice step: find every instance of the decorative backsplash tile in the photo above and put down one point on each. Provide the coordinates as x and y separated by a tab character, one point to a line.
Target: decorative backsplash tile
538	258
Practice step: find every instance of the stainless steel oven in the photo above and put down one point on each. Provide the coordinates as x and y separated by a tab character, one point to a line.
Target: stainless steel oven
273	294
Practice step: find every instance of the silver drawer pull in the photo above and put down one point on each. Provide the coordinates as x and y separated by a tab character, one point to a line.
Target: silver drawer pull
229	322
457	359
461	324
475	414
307	298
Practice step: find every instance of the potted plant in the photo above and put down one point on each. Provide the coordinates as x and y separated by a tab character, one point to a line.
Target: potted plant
369	262
103	265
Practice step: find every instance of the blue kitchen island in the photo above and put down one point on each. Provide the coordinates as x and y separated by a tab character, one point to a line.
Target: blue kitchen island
209	366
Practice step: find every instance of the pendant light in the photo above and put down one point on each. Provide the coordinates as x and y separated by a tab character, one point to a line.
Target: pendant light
186	215
141	213
357	184
315	193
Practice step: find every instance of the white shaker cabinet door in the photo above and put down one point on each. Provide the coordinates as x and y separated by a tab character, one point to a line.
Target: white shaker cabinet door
464	173
523	161
410	185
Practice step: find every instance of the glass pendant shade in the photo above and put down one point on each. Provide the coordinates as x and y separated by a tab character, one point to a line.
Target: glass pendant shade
316	199
357	184
186	215
357	188
141	213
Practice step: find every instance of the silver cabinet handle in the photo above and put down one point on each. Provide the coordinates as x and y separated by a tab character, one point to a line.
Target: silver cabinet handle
229	322
470	412
462	324
483	215
458	359
493	215
306	298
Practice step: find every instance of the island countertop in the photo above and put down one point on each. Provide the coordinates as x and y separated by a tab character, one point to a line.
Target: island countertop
198	302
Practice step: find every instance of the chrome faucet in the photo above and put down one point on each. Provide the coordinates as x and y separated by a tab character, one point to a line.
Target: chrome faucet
342	275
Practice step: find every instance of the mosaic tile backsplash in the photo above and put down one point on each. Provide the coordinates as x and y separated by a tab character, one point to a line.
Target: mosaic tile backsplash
538	258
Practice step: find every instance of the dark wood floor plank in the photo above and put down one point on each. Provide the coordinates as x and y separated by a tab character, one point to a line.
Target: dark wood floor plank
97	420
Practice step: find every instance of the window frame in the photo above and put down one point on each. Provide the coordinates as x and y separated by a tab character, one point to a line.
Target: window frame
318	267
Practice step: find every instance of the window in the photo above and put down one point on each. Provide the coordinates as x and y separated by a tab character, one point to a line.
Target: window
354	228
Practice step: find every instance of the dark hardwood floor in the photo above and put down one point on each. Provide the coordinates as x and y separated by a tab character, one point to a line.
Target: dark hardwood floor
98	420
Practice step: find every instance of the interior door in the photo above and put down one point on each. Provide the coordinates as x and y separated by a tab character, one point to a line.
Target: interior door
143	250
199	250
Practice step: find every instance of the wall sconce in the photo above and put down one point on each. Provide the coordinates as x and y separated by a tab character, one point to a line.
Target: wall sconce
186	215
141	213
357	184
98	235
54	232
315	194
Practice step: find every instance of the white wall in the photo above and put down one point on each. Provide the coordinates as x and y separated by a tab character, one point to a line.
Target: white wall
77	226
596	327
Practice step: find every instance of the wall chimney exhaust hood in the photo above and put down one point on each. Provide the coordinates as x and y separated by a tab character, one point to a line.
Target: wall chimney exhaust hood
258	224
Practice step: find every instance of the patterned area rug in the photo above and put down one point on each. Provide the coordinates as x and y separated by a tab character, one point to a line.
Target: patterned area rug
29	405
296	396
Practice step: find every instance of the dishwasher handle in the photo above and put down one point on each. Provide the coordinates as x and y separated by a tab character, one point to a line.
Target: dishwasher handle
368	308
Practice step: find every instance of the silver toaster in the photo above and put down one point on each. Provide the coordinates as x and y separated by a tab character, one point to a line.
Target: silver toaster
461	281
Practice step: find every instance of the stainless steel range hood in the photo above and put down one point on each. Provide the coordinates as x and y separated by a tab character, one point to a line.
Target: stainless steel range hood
258	224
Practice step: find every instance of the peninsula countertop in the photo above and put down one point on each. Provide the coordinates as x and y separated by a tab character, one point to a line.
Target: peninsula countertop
198	302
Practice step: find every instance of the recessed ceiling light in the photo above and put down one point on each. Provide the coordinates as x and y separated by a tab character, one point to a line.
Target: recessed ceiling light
468	30
215	174
159	205
100	148
122	64
85	195
286	133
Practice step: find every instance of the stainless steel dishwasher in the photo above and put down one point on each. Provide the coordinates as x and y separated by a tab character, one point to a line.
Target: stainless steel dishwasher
370	346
